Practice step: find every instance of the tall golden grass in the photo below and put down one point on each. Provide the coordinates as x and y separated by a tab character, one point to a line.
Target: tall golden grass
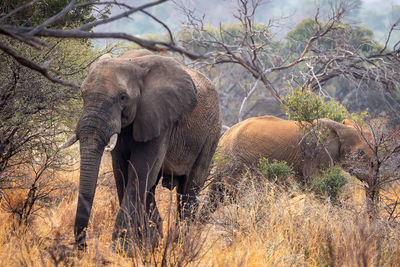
269	225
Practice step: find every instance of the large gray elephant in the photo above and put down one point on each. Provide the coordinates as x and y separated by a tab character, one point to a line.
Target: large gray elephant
160	119
244	144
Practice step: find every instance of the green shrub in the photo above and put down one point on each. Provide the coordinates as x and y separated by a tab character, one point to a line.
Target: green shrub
330	182
220	160
275	169
308	106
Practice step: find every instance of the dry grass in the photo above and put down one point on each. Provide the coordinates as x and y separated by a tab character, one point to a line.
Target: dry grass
268	226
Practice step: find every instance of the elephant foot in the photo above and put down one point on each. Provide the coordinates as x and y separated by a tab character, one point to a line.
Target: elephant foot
80	241
187	210
141	241
122	243
81	246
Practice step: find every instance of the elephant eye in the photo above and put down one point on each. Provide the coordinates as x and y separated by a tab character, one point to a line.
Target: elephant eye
123	98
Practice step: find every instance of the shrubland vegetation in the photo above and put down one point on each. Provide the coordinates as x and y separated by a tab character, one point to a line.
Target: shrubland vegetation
322	68
35	113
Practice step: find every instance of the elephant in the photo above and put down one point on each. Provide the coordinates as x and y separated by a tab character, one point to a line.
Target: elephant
159	119
244	144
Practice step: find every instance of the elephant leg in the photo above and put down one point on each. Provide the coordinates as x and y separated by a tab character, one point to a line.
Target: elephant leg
216	195
188	189
187	199
154	216
120	170
143	173
151	205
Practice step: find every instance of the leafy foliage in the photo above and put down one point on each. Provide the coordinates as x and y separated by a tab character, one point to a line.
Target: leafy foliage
41	11
330	183
275	169
32	109
308	106
359	37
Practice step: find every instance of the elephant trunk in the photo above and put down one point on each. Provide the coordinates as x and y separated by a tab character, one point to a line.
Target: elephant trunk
89	171
94	132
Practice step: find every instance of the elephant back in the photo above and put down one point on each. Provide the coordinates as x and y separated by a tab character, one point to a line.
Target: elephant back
244	144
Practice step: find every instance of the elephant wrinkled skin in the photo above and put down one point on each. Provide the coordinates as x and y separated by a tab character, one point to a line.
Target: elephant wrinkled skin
167	120
245	143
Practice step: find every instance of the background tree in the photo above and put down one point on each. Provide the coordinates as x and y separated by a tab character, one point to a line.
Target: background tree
334	58
356	70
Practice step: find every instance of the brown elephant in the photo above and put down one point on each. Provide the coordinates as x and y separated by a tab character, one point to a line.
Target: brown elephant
245	143
160	119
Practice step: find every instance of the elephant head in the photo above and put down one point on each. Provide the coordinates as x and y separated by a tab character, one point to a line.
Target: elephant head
148	93
347	144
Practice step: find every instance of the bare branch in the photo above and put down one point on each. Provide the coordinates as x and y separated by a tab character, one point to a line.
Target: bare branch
56	17
119	16
31	35
389	34
171	37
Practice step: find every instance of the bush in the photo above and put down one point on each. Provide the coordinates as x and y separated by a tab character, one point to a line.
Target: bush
33	109
274	170
330	182
308	106
305	107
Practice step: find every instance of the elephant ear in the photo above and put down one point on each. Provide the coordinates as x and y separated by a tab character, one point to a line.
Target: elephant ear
168	94
347	134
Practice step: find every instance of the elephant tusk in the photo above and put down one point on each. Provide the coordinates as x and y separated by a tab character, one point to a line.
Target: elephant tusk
70	142
112	143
